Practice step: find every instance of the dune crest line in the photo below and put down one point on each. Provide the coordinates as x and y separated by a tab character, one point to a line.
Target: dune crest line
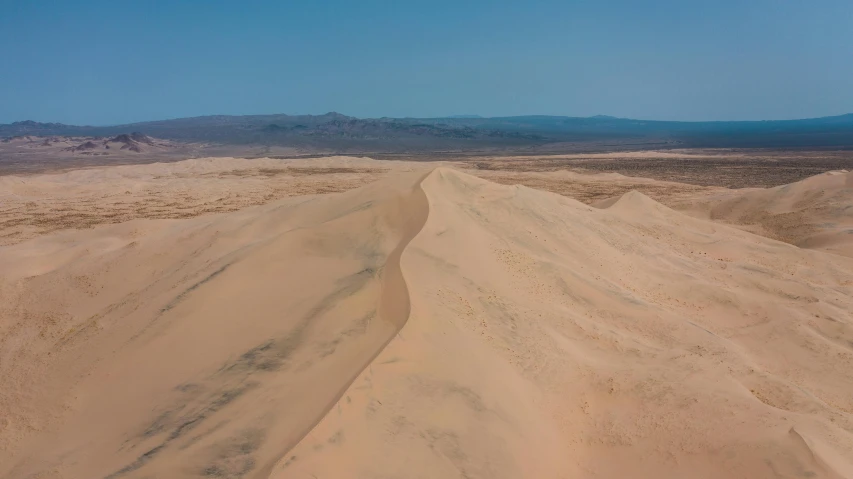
394	301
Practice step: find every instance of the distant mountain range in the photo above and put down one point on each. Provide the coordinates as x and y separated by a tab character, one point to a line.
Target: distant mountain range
341	133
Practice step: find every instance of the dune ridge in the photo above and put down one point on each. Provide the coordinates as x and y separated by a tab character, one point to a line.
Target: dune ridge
516	367
814	213
430	324
394	302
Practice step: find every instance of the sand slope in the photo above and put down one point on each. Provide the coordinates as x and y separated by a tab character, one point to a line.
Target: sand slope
814	213
204	347
426	325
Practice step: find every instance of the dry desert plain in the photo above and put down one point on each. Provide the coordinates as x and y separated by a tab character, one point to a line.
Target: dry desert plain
648	315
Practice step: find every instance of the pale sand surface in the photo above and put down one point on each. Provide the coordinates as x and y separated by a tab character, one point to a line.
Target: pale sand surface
31	205
427	324
815	213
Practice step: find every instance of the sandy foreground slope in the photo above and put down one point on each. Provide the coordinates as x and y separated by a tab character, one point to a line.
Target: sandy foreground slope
430	324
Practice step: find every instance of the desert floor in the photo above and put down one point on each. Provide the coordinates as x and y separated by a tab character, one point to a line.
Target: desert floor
652	314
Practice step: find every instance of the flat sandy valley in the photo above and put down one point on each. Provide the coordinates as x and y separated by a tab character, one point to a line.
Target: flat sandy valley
671	314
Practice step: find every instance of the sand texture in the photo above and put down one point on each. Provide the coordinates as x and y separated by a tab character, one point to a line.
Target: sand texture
426	324
815	213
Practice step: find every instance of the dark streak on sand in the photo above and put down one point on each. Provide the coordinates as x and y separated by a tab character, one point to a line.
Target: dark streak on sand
233	455
192	288
233	458
214	403
272	355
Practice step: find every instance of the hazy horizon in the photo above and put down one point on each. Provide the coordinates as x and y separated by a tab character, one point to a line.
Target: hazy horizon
101	63
409	117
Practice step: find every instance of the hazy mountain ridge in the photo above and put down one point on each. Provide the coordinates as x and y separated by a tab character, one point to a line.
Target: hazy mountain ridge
345	133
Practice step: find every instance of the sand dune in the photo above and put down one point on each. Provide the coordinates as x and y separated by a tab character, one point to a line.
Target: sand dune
197	347
430	324
815	213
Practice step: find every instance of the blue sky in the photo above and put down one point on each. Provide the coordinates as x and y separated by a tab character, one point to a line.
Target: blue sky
99	62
